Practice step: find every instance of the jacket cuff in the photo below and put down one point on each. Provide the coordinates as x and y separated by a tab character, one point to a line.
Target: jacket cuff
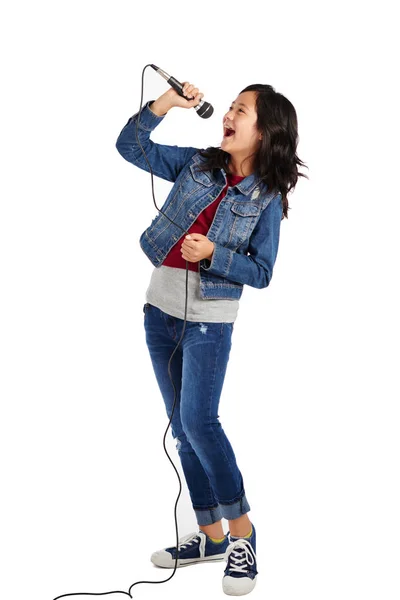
148	120
220	261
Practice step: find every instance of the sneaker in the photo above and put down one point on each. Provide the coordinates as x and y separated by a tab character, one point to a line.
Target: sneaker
194	548
241	571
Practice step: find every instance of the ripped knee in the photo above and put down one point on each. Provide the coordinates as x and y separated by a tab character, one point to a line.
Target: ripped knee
203	328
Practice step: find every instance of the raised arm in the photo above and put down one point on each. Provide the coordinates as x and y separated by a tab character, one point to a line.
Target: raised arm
166	161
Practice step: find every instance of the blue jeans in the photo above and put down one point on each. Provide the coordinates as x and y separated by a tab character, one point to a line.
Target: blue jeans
198	369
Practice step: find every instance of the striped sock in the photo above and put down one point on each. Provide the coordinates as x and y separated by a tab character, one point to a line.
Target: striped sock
217	540
250	534
244	536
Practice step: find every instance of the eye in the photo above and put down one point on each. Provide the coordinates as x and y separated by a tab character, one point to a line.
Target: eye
230	108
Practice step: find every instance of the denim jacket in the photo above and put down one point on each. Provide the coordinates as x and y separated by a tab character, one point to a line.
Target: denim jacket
246	225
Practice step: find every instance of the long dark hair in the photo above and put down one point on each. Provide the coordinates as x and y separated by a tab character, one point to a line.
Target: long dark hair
276	161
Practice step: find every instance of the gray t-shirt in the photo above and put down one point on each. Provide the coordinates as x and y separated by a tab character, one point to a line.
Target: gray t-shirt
167	290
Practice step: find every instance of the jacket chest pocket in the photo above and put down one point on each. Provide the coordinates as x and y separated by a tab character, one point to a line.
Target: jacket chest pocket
242	219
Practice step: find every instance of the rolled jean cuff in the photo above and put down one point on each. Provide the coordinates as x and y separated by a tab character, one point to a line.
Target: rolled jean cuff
226	511
235	510
208	516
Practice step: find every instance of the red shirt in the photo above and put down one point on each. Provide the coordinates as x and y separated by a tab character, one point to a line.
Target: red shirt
201	225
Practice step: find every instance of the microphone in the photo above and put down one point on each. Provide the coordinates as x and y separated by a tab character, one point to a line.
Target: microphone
203	109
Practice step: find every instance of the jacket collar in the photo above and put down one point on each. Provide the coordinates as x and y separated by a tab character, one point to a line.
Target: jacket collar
246	186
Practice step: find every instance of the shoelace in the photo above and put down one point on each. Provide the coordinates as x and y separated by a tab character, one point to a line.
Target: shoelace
191	538
244	553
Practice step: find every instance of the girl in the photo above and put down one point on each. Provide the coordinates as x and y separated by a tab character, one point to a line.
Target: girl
231	200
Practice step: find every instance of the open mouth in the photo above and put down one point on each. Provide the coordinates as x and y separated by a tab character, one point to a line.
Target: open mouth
228	132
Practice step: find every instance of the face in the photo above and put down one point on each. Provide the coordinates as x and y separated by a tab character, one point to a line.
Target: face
241	118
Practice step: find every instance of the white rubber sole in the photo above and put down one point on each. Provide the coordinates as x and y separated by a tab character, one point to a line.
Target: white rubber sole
233	586
164	559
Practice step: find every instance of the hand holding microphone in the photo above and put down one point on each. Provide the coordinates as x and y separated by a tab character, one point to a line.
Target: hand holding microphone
191	93
171	98
184	95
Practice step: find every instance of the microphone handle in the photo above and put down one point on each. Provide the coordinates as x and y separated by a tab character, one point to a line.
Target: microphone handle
203	109
178	87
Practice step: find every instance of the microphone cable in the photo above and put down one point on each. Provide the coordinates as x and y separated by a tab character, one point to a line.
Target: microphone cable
170	376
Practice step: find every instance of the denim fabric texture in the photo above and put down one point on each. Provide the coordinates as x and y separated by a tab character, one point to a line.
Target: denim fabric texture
246	226
198	370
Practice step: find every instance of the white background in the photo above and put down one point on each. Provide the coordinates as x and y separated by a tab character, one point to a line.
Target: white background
310	401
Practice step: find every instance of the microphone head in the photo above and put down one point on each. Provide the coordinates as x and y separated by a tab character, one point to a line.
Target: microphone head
204	109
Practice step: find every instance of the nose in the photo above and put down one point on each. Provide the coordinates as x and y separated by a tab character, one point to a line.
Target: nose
227	117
